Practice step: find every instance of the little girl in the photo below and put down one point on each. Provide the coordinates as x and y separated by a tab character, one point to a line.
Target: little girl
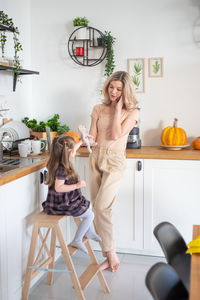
64	195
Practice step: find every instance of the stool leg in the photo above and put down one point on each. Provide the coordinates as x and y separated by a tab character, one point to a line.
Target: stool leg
52	251
95	261
69	263
31	256
100	273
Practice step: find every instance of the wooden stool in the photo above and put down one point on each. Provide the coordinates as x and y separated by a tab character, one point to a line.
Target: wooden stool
52	222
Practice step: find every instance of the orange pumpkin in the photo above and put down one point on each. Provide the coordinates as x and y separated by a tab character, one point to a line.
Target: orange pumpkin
196	143
74	135
173	136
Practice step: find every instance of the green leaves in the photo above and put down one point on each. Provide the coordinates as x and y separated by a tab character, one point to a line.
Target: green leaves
5	20
80	21
136	81
109	41
62	129
137	69
156	67
53	123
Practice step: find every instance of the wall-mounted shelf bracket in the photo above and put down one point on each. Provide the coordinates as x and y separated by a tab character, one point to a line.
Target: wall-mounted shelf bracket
16	73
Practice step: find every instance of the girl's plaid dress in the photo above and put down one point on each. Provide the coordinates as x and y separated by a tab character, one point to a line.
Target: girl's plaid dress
71	203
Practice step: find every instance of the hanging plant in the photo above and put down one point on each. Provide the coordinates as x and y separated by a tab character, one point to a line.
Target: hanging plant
3	38
109	41
5	20
17	47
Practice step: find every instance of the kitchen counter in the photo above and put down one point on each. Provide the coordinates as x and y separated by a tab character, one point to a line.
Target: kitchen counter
144	152
23	171
153	152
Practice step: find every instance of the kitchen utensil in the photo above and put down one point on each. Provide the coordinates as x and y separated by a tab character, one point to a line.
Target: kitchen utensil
28	142
45	142
19	127
174	147
134	141
49	140
37	146
23	150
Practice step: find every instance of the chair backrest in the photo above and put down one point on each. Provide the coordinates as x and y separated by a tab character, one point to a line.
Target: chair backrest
174	248
170	240
164	283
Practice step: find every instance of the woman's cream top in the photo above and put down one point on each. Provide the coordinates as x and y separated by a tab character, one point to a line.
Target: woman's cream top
104	128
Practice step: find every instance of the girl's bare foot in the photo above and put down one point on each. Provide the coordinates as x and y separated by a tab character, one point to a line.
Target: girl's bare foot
104	265
113	260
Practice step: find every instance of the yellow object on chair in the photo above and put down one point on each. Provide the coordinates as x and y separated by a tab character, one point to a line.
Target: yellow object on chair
194	246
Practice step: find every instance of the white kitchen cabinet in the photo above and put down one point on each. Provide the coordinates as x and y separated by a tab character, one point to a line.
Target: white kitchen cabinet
128	208
171	193
164	190
20	199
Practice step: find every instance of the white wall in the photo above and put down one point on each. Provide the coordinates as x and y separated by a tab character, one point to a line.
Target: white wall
145	28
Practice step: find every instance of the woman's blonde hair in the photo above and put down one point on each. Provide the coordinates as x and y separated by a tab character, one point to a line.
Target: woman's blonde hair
130	100
60	156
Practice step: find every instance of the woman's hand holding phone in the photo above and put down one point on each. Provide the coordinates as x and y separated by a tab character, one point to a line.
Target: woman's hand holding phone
118	98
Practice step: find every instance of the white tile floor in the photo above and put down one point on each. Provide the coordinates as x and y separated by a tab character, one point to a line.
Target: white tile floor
128	283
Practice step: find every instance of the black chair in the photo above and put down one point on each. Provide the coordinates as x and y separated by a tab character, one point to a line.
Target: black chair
164	283
174	248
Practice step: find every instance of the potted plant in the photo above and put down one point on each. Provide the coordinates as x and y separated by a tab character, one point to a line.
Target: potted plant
81	21
109	41
82	30
39	129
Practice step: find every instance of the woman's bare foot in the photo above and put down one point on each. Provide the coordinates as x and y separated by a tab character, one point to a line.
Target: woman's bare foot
104	265
113	260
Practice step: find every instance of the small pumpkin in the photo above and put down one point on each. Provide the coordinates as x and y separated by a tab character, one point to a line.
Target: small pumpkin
196	143
173	136
74	135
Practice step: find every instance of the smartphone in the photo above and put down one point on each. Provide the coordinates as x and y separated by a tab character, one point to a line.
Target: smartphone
118	99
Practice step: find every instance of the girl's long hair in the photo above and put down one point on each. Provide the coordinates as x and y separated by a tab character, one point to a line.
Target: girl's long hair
60	156
130	101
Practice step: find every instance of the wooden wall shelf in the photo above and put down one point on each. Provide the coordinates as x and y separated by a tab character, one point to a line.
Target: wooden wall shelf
16	73
92	53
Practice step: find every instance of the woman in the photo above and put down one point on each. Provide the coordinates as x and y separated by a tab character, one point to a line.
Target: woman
111	123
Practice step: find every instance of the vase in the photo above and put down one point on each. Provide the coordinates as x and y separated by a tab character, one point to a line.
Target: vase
43	135
4	61
82	33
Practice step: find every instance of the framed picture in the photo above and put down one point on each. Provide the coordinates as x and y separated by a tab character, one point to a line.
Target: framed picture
136	70
156	67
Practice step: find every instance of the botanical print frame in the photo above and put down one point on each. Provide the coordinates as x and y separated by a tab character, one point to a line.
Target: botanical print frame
136	69
155	66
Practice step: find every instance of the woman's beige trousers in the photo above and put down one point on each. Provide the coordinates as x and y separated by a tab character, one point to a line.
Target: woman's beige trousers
106	171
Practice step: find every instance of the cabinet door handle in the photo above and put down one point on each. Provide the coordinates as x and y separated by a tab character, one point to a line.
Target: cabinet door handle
41	178
139	165
45	175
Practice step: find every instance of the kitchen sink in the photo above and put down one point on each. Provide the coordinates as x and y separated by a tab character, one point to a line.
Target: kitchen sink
9	164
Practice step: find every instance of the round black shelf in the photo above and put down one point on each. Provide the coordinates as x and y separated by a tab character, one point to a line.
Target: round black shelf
86	46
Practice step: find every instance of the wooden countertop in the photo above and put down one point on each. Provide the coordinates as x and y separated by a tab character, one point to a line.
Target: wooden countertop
143	152
156	153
